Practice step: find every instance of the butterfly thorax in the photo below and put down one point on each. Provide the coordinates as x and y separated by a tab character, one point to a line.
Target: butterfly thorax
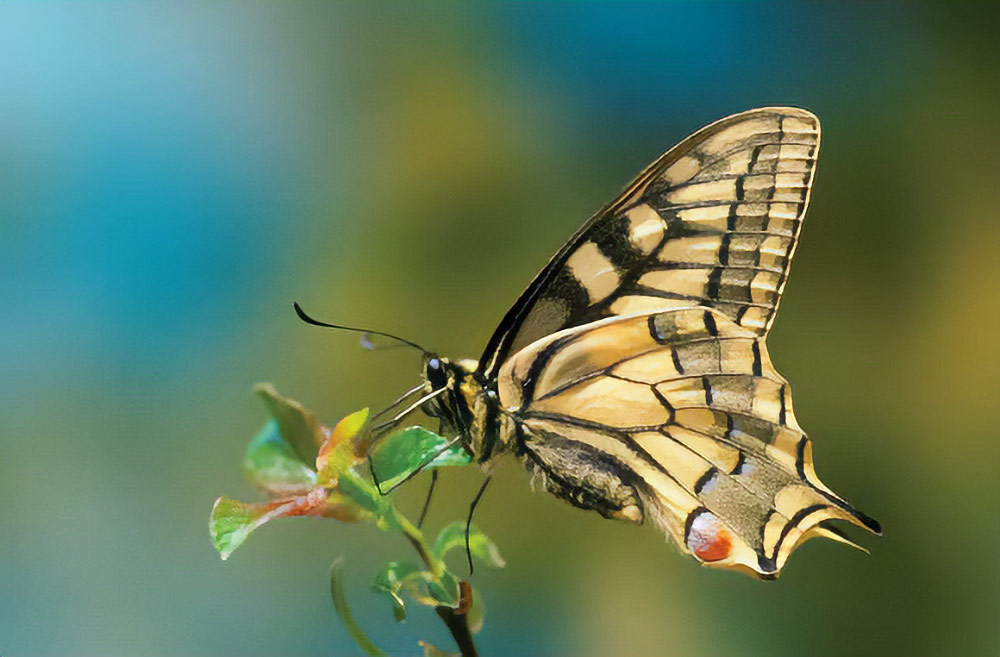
467	407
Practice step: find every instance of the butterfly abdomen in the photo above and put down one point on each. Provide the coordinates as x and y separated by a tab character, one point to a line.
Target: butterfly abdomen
581	474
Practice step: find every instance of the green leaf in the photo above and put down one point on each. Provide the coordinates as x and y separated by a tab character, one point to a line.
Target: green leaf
229	525
362	493
452	537
346	617
441	591
296	424
412	449
392	579
231	522
272	465
425	588
397	578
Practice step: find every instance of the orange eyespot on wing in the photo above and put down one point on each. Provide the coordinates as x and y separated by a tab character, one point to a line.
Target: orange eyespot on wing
706	537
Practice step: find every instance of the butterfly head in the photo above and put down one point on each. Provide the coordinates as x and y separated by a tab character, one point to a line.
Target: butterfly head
440	379
436	372
454	391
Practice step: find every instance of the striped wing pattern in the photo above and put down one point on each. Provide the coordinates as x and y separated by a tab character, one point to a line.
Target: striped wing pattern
676	415
714	221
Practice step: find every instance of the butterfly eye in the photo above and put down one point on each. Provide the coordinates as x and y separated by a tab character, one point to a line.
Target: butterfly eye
435	373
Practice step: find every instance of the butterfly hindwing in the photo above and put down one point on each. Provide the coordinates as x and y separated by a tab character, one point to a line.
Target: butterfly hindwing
713	221
681	414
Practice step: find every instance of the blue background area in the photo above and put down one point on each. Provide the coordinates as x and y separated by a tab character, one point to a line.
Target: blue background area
172	177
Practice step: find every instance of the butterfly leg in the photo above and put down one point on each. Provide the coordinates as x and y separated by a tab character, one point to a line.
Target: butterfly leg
427	501
468	521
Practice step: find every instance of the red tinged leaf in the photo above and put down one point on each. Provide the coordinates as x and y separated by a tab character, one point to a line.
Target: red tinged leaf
231	521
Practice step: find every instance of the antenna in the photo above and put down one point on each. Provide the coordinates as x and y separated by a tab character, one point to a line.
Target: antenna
365	341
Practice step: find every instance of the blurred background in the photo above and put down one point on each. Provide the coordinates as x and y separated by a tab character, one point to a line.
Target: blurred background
172	177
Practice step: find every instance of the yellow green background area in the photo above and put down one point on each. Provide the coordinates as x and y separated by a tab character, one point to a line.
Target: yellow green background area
172	177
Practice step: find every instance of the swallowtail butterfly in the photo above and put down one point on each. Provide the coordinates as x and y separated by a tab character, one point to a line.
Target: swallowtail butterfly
632	376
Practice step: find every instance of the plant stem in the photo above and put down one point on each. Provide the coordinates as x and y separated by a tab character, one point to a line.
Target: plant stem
416	538
457	623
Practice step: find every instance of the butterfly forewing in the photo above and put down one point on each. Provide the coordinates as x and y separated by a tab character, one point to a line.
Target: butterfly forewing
714	221
685	407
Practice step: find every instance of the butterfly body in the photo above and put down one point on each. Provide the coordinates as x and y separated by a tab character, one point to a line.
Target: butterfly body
468	408
632	376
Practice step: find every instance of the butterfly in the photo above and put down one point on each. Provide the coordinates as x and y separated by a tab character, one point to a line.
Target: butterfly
632	376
